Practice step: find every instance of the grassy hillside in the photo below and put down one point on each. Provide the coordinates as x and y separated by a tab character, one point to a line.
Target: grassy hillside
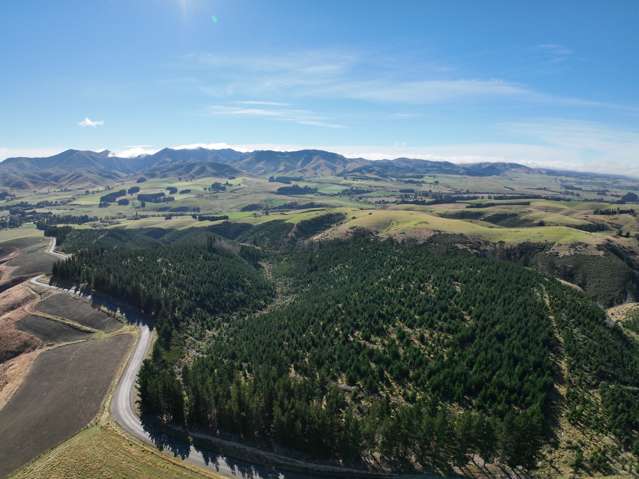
414	224
101	452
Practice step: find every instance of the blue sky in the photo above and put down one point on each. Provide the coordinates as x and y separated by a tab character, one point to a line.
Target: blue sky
547	83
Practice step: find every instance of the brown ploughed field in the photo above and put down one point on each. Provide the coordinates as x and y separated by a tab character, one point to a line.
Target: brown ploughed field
78	310
61	394
49	331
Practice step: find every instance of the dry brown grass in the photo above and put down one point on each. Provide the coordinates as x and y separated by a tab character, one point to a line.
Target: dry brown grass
12	374
15	298
12	341
620	313
102	452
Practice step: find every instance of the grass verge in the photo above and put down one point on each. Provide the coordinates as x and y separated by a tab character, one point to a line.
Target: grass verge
101	452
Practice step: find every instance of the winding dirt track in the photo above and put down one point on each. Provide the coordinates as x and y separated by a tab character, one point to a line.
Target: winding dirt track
51	250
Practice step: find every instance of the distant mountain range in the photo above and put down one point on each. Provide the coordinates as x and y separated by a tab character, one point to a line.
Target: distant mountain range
75	168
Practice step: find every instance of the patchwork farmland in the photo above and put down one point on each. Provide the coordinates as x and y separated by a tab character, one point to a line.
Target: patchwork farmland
74	380
58	355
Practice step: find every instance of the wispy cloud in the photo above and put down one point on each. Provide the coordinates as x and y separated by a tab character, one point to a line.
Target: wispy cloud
315	62
357	77
320	75
261	103
554	52
404	115
230	110
89	123
583	144
422	92
272	110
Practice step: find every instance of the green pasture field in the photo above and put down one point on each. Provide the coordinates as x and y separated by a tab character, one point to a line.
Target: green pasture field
378	210
395	223
25	231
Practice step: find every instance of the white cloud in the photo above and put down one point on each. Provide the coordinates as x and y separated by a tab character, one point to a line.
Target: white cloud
584	145
136	150
274	111
88	122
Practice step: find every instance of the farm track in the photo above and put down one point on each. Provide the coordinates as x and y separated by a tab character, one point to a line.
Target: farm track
51	250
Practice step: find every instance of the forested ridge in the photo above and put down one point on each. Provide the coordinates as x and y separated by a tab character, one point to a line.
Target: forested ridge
176	282
385	354
383	339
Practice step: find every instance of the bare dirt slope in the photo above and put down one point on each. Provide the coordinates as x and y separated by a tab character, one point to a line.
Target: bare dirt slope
49	331
61	394
13	342
24	257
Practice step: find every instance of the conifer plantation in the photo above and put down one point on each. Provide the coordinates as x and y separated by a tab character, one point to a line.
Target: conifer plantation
368	352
